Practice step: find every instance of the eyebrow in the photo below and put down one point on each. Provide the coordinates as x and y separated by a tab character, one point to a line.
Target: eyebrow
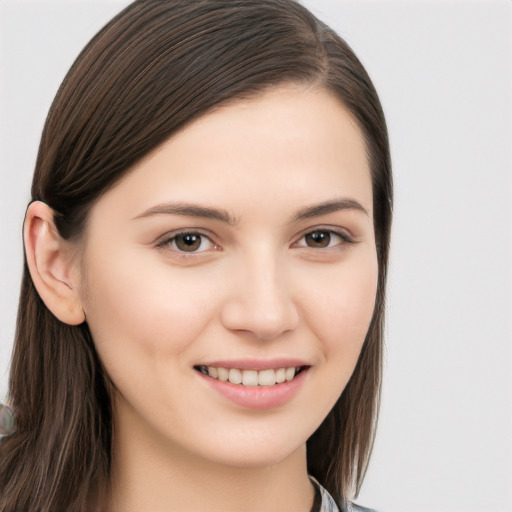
207	212
326	207
190	210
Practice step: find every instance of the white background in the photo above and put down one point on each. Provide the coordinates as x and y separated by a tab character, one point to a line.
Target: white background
444	74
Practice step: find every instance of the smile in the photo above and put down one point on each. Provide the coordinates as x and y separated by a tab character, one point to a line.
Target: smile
251	378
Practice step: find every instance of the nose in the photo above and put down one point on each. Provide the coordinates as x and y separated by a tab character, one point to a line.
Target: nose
260	300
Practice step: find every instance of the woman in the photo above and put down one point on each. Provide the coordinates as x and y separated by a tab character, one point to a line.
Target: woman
200	323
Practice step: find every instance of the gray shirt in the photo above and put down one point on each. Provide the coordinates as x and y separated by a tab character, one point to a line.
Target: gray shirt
329	505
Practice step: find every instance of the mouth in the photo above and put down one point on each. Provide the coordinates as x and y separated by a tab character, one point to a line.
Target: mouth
252	378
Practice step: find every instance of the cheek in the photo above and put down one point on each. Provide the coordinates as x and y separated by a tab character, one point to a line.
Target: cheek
142	315
341	309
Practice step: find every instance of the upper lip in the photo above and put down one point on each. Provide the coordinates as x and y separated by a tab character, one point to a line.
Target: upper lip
257	364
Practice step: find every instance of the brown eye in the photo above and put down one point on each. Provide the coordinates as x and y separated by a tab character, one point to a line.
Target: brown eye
318	239
188	242
324	239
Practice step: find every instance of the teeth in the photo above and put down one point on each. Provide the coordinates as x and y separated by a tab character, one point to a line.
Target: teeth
252	378
266	377
280	375
290	373
235	376
222	374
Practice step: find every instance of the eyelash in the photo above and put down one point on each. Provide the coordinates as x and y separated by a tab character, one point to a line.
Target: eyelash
170	241
345	239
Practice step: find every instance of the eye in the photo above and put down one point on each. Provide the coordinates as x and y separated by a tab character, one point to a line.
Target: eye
323	239
188	242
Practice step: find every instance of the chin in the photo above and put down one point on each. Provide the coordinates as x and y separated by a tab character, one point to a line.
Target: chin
258	455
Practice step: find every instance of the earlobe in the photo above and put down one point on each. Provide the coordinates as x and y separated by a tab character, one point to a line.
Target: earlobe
51	266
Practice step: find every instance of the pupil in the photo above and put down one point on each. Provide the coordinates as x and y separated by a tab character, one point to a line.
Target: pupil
318	239
188	242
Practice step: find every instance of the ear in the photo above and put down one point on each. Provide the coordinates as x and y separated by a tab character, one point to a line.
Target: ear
51	264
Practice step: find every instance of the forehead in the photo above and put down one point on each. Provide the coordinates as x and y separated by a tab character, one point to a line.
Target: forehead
288	145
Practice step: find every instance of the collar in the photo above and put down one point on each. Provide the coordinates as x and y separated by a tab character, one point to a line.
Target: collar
327	503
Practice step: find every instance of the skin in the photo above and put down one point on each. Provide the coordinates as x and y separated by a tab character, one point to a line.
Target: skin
256	288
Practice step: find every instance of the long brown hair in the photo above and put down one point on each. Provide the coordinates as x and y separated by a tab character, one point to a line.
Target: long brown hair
155	67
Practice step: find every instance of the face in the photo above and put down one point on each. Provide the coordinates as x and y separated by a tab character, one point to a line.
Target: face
241	250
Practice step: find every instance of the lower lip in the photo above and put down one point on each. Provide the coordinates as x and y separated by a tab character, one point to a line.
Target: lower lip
258	397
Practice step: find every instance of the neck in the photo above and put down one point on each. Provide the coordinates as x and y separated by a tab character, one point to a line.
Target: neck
149	474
